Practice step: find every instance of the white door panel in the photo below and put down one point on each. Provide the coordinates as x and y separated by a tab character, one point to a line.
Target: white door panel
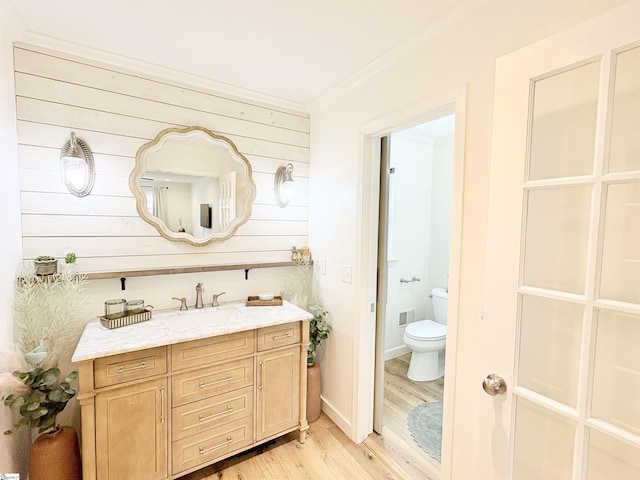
562	298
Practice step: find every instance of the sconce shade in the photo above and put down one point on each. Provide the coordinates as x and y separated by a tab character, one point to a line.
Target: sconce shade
77	166
284	184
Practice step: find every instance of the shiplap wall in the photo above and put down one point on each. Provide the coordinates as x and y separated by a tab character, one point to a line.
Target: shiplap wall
115	112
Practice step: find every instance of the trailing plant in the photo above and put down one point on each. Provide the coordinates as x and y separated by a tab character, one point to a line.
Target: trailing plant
42	396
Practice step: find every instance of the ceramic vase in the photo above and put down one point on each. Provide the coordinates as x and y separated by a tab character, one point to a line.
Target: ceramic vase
313	392
56	456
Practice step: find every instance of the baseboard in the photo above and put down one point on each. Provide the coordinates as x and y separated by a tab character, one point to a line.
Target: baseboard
396	352
342	423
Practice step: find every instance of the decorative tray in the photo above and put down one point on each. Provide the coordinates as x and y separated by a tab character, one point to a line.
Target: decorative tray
126	320
256	302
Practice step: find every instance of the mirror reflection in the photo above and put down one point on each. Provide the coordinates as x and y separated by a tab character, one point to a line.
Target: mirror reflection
192	185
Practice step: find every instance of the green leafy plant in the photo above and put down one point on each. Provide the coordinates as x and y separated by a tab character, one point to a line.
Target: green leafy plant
44	258
70	258
43	396
319	329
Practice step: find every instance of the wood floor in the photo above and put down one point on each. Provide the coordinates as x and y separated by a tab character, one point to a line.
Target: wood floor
396	447
328	454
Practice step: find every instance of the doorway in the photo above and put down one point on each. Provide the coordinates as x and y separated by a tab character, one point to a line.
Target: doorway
416	183
371	381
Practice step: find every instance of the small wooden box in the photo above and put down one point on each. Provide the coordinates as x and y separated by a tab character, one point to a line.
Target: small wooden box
254	301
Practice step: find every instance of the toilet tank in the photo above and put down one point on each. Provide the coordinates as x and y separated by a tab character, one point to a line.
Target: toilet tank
440	298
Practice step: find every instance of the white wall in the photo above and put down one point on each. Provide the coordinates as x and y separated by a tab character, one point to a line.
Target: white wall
115	112
463	56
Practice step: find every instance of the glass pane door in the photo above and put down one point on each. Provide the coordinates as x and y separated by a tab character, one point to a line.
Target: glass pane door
577	392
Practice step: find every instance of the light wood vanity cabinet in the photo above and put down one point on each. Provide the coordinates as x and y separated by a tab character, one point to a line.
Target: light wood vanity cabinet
131	431
197	402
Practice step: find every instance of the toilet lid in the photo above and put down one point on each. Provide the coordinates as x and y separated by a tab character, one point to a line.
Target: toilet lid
426	329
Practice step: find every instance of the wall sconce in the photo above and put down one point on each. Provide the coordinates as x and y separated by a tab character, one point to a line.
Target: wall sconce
77	167
284	185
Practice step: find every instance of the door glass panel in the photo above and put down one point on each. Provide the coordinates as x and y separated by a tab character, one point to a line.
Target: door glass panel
611	458
621	248
557	223
564	122
550	333
624	152
543	443
616	382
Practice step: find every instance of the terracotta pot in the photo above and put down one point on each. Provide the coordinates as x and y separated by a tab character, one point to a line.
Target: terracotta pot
313	392
56	456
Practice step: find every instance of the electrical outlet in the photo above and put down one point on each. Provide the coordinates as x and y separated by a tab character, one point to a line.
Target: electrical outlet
345	273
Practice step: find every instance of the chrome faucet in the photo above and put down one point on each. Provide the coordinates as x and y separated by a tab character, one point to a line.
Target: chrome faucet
214	302
199	291
183	303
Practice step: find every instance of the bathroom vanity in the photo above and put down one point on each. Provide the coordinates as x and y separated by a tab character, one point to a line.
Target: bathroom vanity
166	397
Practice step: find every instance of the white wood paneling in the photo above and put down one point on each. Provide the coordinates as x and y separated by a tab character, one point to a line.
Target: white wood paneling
115	112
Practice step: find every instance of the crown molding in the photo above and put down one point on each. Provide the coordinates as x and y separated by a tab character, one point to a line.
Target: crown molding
449	21
102	58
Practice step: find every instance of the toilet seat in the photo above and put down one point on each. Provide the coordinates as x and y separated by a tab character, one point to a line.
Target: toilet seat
426	330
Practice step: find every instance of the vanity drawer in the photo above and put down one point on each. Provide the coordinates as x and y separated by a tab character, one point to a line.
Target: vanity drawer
278	336
211	412
206	447
129	366
198	353
203	383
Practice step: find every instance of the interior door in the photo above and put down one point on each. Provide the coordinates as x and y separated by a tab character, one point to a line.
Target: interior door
562	298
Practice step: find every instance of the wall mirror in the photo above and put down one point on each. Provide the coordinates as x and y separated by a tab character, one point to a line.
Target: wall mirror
192	185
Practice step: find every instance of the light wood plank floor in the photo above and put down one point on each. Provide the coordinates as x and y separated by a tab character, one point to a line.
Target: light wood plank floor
328	454
396	447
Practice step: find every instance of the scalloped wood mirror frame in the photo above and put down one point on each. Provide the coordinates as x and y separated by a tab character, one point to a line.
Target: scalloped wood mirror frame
192	185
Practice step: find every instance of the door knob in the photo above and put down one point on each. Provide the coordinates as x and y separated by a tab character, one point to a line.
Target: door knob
494	384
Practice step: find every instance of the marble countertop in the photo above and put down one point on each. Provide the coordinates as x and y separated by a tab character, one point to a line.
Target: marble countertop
173	326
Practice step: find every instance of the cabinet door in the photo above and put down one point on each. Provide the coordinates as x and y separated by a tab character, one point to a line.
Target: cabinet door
278	392
131	432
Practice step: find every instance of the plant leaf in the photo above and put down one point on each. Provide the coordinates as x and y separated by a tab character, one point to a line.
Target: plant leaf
50	377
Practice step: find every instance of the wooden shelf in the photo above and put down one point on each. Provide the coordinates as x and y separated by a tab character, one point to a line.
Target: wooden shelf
174	270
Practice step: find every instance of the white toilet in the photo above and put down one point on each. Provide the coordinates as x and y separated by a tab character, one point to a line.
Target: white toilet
426	340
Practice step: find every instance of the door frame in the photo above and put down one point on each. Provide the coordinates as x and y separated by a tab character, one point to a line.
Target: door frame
368	175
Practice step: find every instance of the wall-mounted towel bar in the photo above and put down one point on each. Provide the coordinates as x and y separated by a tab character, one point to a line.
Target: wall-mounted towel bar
413	279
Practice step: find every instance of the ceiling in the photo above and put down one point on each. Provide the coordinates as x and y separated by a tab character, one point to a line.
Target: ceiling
294	50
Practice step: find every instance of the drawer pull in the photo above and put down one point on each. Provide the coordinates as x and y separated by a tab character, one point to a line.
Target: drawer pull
203	418
278	337
206	450
261	387
217	382
122	368
162	395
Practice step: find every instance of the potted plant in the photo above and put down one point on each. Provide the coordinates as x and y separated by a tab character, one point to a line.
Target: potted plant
45	265
45	324
39	397
70	258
